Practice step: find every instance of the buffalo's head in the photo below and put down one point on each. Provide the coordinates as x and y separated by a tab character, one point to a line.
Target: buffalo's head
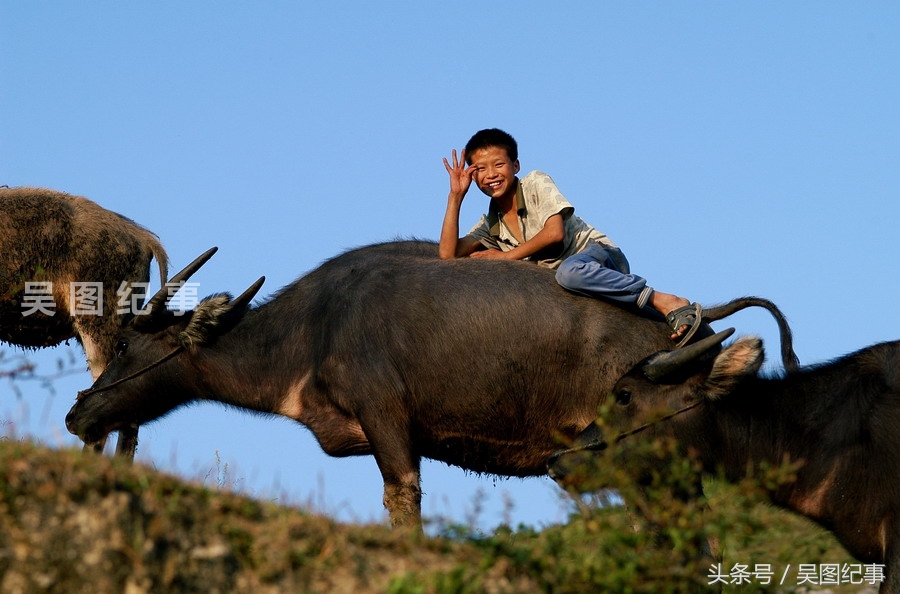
674	395
660	391
152	372
665	394
669	381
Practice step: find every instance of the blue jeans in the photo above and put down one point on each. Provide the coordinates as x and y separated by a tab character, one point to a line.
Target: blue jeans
600	271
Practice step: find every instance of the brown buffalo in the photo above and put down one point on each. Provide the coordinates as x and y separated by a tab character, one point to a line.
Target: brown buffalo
50	240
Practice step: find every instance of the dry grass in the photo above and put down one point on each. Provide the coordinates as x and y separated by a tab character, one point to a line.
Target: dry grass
77	523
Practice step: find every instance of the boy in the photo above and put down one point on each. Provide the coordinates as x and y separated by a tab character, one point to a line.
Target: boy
529	219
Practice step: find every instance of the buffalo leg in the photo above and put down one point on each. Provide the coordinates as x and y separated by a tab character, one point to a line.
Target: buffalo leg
126	446
402	491
96	446
403	500
128	440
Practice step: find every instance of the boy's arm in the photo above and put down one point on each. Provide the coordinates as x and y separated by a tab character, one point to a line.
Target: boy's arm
451	245
553	232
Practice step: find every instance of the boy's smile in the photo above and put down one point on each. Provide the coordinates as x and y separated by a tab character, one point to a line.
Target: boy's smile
494	172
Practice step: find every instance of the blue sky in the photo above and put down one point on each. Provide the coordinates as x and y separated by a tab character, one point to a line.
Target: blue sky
731	148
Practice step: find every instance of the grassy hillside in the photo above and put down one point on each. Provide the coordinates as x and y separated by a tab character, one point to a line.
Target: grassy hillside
77	523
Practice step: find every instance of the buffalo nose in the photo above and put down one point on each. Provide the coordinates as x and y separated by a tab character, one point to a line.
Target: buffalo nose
70	421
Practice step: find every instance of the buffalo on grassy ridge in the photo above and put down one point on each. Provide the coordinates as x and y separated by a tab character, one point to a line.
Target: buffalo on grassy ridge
391	352
52	237
838	420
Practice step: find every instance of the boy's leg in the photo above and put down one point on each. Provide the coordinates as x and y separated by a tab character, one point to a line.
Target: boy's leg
603	272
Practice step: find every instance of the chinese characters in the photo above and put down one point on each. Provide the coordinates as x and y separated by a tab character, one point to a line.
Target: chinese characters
86	298
808	574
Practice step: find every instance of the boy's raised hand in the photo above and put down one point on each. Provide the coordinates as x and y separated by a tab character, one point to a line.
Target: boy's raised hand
460	175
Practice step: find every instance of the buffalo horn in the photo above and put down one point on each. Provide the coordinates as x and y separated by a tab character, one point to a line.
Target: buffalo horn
663	364
238	307
244	298
161	299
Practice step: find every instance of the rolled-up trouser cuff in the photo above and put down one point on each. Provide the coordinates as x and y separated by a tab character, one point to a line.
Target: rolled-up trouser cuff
644	297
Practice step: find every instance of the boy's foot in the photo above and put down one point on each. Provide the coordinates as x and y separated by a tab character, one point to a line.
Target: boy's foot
684	321
668	304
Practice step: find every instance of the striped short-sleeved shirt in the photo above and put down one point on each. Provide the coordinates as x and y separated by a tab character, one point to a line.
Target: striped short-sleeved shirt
537	199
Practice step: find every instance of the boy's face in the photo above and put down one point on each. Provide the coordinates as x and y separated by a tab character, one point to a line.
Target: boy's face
493	171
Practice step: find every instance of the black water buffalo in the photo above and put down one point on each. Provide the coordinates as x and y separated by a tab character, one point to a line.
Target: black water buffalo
52	237
389	351
840	420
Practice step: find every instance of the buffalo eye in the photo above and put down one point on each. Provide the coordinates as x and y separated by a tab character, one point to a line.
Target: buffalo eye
121	347
623	398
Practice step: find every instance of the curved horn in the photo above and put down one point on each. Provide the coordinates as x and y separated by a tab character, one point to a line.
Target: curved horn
161	299
238	307
243	300
663	364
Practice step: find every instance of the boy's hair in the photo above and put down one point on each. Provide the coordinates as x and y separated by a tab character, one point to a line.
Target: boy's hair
492	137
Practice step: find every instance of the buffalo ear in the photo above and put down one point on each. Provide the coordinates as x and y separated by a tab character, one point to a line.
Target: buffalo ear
216	315
203	327
742	358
